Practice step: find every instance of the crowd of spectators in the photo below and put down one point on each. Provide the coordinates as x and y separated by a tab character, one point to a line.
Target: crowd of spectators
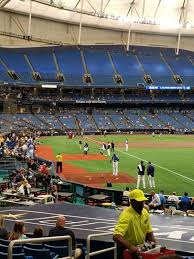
20	232
160	201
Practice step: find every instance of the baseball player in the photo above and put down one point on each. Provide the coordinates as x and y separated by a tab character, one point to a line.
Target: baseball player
141	175
115	164
150	174
126	145
108	147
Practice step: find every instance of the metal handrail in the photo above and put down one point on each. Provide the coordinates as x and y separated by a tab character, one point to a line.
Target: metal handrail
90	254
40	240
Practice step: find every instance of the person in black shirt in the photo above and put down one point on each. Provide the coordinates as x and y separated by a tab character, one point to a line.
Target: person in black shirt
60	230
150	174
3	231
112	146
141	175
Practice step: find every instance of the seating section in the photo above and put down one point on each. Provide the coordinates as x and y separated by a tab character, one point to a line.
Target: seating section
99	67
42	61
14	122
180	65
50	120
85	121
169	121
96	120
67	120
101	63
33	120
15	61
128	67
135	120
4	76
103	121
70	64
119	120
33	251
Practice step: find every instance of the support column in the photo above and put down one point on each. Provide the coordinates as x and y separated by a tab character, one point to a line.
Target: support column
30	19
80	23
178	42
129	36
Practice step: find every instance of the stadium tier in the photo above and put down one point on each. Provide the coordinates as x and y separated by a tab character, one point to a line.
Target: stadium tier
90	66
99	119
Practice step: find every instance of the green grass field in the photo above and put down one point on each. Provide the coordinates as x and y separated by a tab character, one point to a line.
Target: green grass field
174	166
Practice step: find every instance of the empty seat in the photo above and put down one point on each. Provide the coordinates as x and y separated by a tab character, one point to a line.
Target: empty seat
16	249
14	256
34	246
37	253
61	251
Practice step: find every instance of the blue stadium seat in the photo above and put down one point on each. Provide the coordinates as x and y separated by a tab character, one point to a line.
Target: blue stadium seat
37	253
100	68
70	64
128	67
14	59
34	245
61	251
4	241
42	61
14	256
16	249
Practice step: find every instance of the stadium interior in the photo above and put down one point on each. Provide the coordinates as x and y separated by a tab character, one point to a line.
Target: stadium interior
92	67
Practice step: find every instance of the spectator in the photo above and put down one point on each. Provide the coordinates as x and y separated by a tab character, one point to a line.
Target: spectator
27	187
162	197
155	202
39	179
3	231
24	188
19	176
126	192
185	198
185	202
54	192
43	168
18	231
141	175
60	230
38	232
32	165
173	198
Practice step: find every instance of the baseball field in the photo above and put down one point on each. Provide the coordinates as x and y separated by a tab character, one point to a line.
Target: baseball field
172	155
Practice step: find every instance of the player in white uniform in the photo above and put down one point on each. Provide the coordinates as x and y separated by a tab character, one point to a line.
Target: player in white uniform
126	145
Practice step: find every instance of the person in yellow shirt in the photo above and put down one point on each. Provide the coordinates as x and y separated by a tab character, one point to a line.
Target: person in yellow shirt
133	227
59	161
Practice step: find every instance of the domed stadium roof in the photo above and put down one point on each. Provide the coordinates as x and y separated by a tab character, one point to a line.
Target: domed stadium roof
165	16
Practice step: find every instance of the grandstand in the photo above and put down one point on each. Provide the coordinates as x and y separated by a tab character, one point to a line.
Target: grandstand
98	71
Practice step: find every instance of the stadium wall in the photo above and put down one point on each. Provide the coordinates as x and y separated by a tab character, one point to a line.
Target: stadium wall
14	28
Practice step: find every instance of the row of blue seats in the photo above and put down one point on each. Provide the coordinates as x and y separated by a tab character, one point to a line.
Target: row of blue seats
131	66
128	119
33	251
